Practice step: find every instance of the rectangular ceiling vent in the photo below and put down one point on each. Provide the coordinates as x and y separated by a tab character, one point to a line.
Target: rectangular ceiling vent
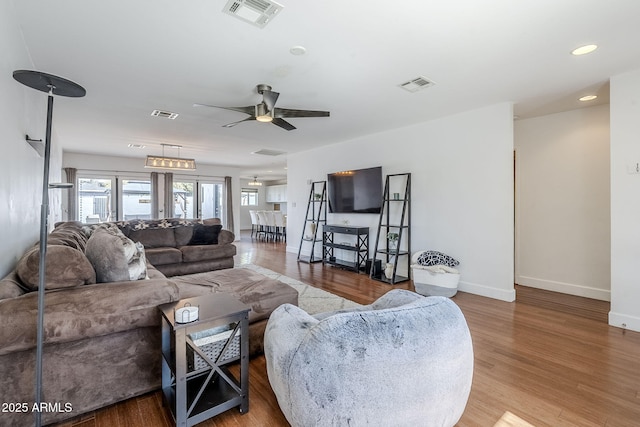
266	152
256	12
417	84
164	114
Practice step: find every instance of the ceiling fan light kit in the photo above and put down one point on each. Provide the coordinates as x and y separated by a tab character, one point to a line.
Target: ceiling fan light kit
267	112
263	114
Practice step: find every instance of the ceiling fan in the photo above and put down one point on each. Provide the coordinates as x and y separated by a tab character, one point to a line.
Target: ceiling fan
267	112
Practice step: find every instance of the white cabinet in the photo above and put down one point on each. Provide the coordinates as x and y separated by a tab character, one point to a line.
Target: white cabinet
276	193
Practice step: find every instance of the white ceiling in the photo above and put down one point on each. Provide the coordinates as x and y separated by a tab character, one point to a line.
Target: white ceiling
136	56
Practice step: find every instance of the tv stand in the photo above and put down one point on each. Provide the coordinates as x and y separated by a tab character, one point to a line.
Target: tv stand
360	247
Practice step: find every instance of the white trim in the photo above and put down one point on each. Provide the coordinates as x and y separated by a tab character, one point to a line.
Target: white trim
508	295
624	321
565	288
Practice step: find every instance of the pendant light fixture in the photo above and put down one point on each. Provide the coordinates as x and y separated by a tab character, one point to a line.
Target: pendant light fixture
164	162
255	182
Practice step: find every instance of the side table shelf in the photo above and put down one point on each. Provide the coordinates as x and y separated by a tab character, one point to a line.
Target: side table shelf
196	382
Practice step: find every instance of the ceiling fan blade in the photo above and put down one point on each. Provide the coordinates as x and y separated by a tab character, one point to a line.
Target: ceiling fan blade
232	124
287	112
270	97
283	124
247	110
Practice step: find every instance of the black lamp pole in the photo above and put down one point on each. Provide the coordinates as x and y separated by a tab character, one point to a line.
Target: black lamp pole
52	85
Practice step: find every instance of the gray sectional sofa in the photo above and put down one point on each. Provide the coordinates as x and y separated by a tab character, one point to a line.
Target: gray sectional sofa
102	326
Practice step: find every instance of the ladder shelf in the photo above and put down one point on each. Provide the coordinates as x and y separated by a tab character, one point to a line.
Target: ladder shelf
315	218
393	238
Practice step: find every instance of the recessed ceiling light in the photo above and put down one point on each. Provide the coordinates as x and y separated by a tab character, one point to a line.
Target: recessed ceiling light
136	146
298	50
583	50
588	98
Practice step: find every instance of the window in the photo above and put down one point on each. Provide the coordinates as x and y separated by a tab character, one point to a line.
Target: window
183	206
102	197
249	197
136	199
95	199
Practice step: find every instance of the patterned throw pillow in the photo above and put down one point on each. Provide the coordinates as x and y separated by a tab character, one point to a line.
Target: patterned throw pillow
429	258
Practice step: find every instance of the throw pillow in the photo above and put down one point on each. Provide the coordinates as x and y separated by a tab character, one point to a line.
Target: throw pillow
429	258
138	263
205	234
66	267
110	253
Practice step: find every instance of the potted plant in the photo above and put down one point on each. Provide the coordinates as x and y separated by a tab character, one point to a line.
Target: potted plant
317	196
392	237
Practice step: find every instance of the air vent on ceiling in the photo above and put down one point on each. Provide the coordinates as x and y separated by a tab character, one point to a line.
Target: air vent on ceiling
164	114
417	84
256	12
266	152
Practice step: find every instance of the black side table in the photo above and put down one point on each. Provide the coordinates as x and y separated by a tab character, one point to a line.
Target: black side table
196	382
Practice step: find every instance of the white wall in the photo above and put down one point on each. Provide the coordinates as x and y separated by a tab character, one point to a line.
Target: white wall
22	111
124	165
562	202
462	190
625	201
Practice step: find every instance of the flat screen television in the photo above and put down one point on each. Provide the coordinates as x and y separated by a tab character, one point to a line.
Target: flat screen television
355	191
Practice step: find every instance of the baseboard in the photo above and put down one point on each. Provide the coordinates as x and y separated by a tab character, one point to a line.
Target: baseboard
624	321
508	295
292	249
565	288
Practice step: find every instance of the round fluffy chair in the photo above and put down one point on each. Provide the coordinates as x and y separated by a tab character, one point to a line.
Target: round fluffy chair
405	360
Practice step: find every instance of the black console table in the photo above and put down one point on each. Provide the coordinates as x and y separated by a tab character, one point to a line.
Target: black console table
360	247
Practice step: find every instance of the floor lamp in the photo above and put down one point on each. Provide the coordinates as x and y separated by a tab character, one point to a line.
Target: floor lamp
52	85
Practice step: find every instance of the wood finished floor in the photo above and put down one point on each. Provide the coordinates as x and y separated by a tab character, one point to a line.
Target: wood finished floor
548	358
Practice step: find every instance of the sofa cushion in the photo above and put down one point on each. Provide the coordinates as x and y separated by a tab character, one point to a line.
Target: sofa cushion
66	267
161	256
205	234
10	286
226	237
71	238
196	253
260	292
84	312
154	237
183	235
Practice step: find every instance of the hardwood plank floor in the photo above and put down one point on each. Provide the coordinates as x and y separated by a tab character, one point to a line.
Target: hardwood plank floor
538	358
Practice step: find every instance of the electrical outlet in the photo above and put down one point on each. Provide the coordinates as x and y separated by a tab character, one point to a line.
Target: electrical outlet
633	167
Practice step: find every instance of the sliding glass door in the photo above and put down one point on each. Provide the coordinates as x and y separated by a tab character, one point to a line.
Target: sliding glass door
211	200
183	199
103	198
135	199
96	199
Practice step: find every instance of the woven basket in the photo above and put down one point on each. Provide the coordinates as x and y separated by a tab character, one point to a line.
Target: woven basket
211	346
